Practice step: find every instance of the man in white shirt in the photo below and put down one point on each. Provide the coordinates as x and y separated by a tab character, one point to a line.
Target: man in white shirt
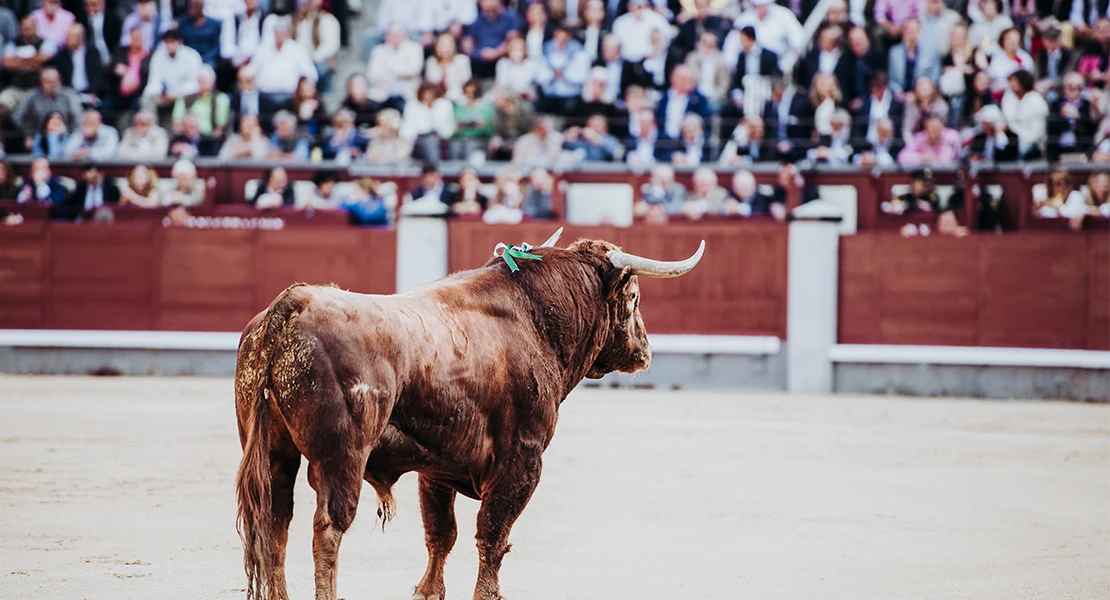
251	29
318	31
173	73
278	67
634	30
395	66
776	29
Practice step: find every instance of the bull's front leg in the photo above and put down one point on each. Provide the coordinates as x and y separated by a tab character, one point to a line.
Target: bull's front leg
502	503
437	507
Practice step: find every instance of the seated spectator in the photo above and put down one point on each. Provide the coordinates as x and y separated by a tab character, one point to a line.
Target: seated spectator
202	33
305	104
1052	62
959	66
936	145
907	63
474	121
692	147
514	118
788	115
448	68
879	104
52	22
891	17
834	148
143	139
826	58
710	69
80	66
318	32
697	18
285	144
538	202
937	21
486	38
1071	123
880	148
681	98
366	205
386	145
619	73
280	65
641	147
707	198
924	100
1010	59
540	146
978	97
173	73
922	196
428	122
563	68
187	142
1026	114
1094	62
864	63
1059	198
91	194
130	74
1097	200
468	198
506	206
749	144
250	143
41	186
993	142
634	30
598	98
274	190
661	196
593	143
141	188
592	27
394	69
9	188
49	97
358	102
212	108
246	99
987	30
824	100
51	141
24	61
516	72
344	144
145	19
750	201
94	141
324	196
249	28
431	190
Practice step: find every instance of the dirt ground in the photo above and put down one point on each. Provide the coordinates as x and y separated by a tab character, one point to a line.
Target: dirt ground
123	488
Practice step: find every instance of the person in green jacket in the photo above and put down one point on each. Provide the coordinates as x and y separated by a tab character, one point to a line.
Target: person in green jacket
474	118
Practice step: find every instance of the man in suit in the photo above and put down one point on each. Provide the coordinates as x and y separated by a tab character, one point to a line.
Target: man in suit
863	62
80	65
1051	63
752	201
432	187
788	118
103	28
619	72
1071	127
880	103
993	142
909	60
681	98
827	57
41	187
753	61
247	100
694	23
88	197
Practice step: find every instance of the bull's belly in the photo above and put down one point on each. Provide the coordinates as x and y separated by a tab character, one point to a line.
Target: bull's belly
398	453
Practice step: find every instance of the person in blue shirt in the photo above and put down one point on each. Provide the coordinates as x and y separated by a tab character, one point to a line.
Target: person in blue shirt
201	33
487	37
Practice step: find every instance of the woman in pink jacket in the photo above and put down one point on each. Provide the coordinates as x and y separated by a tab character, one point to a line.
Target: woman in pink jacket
936	145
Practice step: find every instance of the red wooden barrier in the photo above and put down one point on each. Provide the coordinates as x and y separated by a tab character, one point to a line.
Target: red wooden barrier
1019	290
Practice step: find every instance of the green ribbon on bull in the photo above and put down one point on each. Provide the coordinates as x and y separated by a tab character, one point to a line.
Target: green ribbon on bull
510	253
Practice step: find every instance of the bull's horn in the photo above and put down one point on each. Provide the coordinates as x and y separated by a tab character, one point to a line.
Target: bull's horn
655	268
551	240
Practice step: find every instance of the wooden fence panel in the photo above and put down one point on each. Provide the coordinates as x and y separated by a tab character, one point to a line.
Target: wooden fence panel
23	285
208	280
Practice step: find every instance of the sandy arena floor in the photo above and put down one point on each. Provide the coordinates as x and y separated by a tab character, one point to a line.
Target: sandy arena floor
123	488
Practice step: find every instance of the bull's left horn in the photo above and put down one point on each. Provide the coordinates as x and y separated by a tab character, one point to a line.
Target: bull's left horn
551	240
655	268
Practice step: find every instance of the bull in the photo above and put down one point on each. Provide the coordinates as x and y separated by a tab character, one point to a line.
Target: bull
460	380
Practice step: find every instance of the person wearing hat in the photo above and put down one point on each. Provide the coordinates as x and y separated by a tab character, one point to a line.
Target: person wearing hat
922	196
173	73
776	29
993	142
1052	61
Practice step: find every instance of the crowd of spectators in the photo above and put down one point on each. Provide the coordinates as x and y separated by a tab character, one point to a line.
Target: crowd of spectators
689	83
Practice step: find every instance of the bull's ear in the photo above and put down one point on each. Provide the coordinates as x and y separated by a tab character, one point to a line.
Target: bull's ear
618	282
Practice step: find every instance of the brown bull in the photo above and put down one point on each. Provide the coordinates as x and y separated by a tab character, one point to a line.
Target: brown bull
458	380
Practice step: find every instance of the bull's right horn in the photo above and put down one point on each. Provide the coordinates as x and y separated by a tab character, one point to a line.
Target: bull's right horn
551	240
655	268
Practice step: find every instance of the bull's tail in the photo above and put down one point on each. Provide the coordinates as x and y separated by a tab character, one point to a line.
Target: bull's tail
253	485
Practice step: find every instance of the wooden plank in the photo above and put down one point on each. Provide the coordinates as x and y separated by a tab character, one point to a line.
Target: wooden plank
926	290
353	259
1098	284
207	280
22	272
858	291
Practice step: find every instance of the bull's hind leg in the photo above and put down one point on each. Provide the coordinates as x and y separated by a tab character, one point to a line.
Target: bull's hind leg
502	503
437	507
337	483
283	471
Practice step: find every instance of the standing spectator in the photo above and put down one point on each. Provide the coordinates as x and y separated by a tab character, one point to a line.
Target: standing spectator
80	66
212	108
1010	59
635	27
681	98
908	62
145	19
428	122
386	145
987	31
144	139
394	69
94	141
935	146
750	202
516	73
141	188
447	67
1071	124
706	197
104	29
776	29
710	69
248	144
305	104
131	71
925	100
173	73
993	142
864	63
1052	62
52	22
1026	115
187	189
48	98
593	142
538	195
749	144
274	190
474	120
318	31
487	37
204	34
344	144
358	102
644	137
41	187
285	144
51	141
24	60
562	71
892	16
541	146
279	66
661	194
92	193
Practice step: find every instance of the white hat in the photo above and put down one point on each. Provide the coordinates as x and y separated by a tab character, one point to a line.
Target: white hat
990	114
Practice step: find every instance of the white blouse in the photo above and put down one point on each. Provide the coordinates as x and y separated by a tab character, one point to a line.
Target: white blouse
419	119
516	77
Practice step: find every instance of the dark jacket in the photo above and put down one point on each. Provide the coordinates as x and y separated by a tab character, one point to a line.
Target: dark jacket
74	204
690	31
760	203
632	73
860	120
808	67
666	148
113	27
1008	154
287	198
94	69
799	129
768	66
1066	63
696	104
1084	128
